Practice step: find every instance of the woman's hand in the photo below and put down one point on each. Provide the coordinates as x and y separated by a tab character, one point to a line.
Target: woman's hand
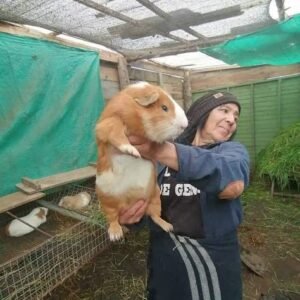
146	148
134	213
165	153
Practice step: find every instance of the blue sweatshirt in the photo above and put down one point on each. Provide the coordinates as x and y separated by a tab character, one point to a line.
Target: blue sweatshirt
190	196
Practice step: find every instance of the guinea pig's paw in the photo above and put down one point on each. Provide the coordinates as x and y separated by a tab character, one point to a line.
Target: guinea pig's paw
129	149
115	232
167	227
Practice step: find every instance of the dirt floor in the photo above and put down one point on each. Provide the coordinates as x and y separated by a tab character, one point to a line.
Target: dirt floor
270	231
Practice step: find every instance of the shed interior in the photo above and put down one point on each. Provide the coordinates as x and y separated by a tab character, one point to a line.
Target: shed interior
160	42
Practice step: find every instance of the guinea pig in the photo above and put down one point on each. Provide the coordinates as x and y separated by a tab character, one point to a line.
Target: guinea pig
123	177
78	201
35	218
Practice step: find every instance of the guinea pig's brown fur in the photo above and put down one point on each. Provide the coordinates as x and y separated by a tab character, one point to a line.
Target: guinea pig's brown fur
41	213
123	177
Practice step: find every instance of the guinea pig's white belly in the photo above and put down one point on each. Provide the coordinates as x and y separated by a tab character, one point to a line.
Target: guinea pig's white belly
127	173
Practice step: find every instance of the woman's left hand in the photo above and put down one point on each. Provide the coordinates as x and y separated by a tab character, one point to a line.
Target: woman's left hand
134	213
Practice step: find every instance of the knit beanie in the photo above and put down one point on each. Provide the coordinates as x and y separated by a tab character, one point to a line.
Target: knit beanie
199	111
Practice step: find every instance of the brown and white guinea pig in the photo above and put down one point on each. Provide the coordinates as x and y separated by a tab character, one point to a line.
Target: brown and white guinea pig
123	177
35	218
77	202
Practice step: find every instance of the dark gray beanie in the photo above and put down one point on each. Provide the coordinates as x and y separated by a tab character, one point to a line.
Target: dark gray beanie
199	111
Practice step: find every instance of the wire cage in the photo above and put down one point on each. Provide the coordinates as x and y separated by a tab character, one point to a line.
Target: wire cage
33	274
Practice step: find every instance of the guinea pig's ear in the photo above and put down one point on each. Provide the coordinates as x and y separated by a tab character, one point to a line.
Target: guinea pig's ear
41	213
147	100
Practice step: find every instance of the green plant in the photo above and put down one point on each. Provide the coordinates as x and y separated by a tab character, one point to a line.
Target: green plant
280	160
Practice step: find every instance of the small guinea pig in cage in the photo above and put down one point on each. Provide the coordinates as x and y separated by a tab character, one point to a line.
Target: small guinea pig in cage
35	218
123	177
76	202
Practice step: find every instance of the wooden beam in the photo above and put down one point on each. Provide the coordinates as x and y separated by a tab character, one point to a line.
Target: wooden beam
107	11
57	180
117	15
189	46
232	77
14	200
167	17
156	67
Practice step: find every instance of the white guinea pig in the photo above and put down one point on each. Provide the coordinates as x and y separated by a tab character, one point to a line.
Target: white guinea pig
123	177
77	202
35	218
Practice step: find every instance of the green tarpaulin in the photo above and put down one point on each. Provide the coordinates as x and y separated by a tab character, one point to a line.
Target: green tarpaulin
275	45
50	99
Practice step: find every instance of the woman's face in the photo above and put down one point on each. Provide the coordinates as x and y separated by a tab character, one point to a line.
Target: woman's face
221	123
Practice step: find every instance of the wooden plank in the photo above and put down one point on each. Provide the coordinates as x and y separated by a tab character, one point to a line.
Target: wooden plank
143	75
31	183
14	200
170	79
109	73
174	89
53	181
225	78
156	67
110	88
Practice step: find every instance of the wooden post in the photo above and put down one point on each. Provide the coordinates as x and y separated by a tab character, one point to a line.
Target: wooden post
160	79
123	72
187	91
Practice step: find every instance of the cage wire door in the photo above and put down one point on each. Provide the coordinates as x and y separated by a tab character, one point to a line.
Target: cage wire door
34	274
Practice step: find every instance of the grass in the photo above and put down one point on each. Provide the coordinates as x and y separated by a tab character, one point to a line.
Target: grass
280	160
271	229
276	218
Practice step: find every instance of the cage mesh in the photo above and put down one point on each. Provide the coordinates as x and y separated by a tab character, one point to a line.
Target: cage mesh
36	272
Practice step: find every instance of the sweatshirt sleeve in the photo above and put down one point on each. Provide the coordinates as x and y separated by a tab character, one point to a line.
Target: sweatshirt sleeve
213	169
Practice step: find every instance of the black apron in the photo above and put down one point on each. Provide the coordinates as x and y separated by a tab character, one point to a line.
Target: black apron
181	205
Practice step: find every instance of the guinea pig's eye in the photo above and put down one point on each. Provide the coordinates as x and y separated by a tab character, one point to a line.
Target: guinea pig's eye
164	107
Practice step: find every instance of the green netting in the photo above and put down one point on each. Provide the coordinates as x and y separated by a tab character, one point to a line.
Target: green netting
275	45
50	98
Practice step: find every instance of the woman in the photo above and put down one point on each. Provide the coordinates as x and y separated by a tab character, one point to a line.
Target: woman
202	177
